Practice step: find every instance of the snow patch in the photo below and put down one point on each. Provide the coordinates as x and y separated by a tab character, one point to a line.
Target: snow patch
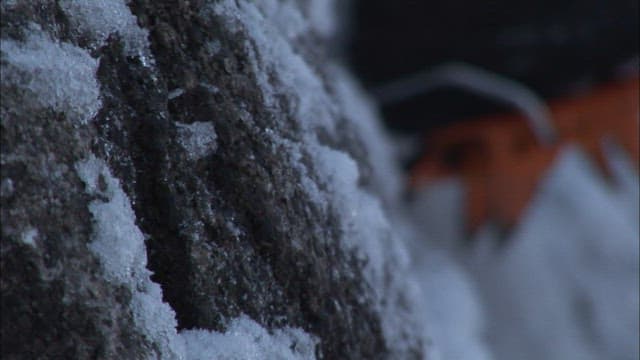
53	74
197	138
28	237
100	18
247	340
119	245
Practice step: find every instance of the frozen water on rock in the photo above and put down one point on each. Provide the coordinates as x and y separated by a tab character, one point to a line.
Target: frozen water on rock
53	74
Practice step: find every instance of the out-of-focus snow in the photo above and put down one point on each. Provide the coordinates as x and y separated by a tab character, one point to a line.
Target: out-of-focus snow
52	74
362	115
451	311
625	177
566	286
439	213
322	16
119	245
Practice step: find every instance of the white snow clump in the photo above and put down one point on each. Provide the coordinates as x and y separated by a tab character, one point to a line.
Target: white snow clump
53	74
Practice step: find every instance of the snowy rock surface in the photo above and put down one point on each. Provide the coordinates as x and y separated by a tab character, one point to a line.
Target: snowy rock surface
194	180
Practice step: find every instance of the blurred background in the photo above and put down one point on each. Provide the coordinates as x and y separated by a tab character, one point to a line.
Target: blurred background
523	171
553	47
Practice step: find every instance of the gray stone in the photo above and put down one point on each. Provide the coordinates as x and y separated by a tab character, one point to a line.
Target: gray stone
252	226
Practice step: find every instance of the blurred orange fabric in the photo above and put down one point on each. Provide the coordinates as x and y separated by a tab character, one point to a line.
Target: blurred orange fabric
501	162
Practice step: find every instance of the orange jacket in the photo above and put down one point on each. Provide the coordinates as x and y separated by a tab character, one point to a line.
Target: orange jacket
501	162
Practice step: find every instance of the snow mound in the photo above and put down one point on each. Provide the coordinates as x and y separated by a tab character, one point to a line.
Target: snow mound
247	340
54	75
98	19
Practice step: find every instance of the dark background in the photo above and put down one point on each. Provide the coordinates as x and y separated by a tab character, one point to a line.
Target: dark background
554	47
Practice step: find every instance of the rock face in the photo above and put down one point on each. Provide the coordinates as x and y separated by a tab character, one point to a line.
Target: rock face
193	180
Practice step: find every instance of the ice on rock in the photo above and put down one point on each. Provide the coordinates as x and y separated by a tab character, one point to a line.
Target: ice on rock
53	74
197	138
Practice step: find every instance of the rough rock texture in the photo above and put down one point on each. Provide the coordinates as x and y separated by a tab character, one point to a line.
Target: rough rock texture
215	142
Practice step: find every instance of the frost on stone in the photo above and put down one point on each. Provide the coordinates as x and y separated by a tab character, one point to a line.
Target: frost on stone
198	138
330	177
119	245
271	52
245	339
52	74
98	19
